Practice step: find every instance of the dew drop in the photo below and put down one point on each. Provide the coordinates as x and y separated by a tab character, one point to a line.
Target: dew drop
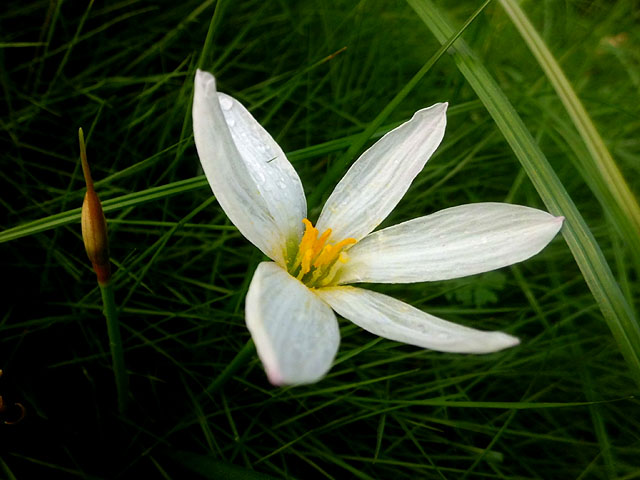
226	103
231	122
259	176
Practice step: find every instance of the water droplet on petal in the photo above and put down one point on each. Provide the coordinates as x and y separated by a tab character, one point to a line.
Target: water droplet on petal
231	122
259	176
226	103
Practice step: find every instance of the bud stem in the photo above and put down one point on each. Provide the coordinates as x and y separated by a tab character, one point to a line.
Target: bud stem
115	344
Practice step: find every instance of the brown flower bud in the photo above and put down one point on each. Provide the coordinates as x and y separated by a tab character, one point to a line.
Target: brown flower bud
94	226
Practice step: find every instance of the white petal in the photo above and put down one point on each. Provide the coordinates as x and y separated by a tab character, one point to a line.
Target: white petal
390	318
377	181
452	243
248	172
296	334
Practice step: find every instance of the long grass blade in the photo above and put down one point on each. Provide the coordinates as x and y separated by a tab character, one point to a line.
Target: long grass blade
164	191
109	205
581	242
600	162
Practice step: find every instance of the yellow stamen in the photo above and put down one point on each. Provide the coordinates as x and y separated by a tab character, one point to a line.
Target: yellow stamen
309	237
325	256
347	241
328	278
321	241
306	264
317	261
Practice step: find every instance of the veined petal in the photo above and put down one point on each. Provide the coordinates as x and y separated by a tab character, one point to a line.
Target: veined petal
377	181
296	334
390	318
248	172
452	243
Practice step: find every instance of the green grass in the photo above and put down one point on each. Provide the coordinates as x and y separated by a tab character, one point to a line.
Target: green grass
542	119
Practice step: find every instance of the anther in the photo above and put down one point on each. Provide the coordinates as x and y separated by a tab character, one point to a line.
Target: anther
316	260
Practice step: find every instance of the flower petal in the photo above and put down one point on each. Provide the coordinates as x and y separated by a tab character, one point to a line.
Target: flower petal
452	243
248	172
296	334
377	181
390	318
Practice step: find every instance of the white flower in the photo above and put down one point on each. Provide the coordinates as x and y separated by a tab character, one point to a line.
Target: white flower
291	300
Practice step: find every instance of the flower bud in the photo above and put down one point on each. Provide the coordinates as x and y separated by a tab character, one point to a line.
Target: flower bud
94	225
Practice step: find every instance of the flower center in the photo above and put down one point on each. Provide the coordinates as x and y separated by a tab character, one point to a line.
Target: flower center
317	261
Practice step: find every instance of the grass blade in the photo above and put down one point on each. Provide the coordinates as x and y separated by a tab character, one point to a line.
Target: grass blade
627	211
109	205
581	242
164	191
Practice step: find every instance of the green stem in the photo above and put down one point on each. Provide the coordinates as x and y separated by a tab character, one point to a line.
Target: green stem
115	345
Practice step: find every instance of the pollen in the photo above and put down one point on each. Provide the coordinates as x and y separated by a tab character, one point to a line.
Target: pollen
317	262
